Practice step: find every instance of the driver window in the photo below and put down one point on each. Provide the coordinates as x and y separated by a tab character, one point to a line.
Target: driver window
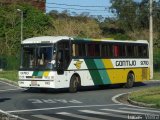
63	55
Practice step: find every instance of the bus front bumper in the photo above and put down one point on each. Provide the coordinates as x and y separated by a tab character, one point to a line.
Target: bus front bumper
36	84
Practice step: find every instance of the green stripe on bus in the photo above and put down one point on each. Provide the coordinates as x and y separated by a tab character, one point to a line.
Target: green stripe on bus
93	71
35	73
40	74
103	73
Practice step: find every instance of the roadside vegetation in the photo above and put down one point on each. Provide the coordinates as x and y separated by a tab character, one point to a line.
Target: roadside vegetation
156	75
148	96
10	75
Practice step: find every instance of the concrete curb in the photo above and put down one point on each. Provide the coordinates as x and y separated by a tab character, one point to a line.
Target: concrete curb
140	103
152	81
9	81
117	99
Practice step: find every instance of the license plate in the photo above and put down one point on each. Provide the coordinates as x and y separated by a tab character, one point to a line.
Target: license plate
34	83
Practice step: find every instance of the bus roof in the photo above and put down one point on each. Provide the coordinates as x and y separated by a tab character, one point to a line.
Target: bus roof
44	39
54	39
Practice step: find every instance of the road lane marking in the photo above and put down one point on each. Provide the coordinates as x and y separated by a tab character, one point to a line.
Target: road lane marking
12	116
53	101
45	117
10	90
102	113
156	111
9	84
121	111
114	98
79	116
44	109
94	112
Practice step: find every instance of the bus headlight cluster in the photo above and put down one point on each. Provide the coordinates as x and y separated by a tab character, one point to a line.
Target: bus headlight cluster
49	77
21	82
21	77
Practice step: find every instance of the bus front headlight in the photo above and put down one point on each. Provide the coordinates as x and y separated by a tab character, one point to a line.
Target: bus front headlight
21	77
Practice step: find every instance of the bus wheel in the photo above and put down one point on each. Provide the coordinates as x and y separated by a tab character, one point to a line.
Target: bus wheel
130	80
74	84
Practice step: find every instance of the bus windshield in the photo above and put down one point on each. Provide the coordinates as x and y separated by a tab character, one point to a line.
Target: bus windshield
41	57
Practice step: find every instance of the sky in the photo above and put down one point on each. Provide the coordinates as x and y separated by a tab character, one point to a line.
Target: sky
61	5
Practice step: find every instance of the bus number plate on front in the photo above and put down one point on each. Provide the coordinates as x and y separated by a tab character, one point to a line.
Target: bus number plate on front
34	83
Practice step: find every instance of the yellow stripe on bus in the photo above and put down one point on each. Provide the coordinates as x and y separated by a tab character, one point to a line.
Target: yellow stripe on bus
120	75
46	74
107	63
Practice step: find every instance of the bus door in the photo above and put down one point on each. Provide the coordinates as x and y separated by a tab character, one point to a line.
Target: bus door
63	56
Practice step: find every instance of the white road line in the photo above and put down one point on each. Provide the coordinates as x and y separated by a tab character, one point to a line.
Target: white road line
9	84
121	111
10	90
114	98
155	111
45	117
79	116
43	109
94	112
103	113
10	115
134	106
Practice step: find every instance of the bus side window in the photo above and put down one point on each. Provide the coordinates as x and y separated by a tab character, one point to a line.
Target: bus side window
74	50
122	50
131	51
93	50
60	59
116	50
90	50
143	51
107	50
78	50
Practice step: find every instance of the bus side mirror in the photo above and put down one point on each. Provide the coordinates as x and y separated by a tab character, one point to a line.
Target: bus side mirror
59	64
60	69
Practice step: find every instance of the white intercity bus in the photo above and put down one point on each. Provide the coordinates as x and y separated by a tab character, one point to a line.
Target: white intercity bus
65	62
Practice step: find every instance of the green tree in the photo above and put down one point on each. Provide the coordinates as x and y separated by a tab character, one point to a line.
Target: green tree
36	23
125	11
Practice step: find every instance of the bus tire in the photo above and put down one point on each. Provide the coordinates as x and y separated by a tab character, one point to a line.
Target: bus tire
130	80
74	84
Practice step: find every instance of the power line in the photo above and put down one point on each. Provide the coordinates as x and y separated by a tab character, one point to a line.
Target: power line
77	9
78	5
86	10
94	6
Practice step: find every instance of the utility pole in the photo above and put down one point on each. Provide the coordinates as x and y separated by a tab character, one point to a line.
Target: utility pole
19	10
151	38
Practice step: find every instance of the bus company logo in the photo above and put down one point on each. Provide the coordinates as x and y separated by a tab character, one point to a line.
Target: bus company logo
78	64
126	63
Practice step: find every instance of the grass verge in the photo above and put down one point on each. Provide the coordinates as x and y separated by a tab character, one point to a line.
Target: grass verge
156	75
148	96
11	75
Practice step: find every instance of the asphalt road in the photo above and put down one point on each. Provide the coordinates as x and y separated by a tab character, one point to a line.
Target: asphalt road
90	103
